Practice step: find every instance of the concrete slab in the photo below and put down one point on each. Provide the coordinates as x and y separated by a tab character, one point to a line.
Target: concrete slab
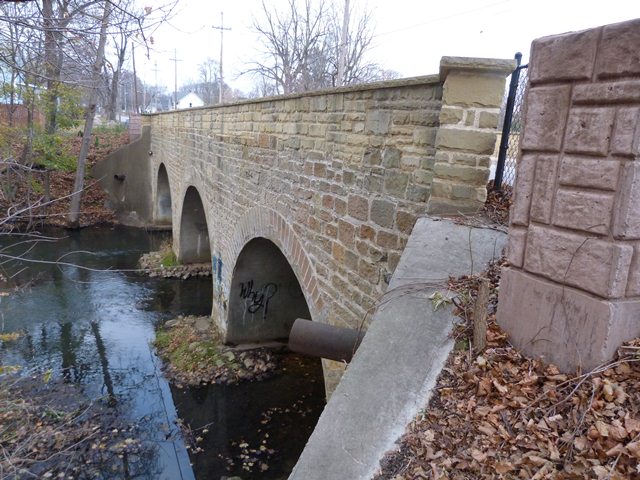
400	358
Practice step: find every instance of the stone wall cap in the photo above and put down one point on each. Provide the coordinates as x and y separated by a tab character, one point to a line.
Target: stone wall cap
361	87
496	66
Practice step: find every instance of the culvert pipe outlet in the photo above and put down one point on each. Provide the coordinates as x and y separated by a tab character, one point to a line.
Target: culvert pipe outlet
325	341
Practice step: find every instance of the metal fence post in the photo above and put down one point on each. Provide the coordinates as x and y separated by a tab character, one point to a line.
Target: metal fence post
506	126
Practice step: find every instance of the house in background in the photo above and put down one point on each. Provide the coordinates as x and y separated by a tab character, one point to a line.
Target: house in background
190	100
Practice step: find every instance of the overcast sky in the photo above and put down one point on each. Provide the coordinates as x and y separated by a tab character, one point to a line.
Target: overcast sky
410	35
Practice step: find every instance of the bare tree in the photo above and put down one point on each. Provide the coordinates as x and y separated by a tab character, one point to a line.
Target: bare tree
74	212
306	46
209	81
290	39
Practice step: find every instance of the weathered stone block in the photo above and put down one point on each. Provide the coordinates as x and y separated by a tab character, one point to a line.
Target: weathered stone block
546	113
378	122
589	172
424	136
619	52
337	252
340	206
461	173
466	140
395	183
367	232
523	190
587	211
427	119
608	92
369	271
391	157
405	221
346	233
473	90
358	207
382	212
544	188
423	177
488	119
563	57
564	326
626	223
327	201
387	239
626	135
418	193
589	130
596	266
330	230
517	242
351	260
462	192
633	285
469	118
451	115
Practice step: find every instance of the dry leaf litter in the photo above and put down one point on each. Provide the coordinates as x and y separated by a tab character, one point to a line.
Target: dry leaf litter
498	414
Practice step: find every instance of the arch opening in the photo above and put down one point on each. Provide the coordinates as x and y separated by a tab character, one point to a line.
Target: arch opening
265	296
163	197
194	234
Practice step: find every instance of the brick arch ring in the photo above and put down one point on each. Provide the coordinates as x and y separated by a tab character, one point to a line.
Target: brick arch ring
262	222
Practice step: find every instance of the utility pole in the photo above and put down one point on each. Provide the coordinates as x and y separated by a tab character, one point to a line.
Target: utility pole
135	80
155	96
175	61
342	53
222	29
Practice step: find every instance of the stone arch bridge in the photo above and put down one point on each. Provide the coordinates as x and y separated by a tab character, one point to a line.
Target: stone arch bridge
304	203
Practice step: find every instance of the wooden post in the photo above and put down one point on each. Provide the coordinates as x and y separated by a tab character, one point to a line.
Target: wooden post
480	317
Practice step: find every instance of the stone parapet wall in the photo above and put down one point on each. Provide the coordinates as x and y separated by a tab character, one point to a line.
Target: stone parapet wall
350	172
572	292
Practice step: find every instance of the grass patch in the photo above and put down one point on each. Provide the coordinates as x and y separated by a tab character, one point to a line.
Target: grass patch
186	351
169	258
193	358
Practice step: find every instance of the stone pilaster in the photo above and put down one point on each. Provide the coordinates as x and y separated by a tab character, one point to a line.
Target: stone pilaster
473	89
571	294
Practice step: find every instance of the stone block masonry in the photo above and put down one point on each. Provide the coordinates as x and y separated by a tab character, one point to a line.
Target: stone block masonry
336	179
571	292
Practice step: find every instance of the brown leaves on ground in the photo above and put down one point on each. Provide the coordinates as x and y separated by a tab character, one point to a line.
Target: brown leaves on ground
498	203
94	198
502	415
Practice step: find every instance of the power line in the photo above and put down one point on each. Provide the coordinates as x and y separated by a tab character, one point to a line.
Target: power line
438	19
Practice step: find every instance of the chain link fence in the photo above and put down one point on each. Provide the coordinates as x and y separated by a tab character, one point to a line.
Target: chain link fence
512	128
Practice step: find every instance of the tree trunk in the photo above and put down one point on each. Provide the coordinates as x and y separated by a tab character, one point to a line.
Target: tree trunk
73	220
115	80
50	62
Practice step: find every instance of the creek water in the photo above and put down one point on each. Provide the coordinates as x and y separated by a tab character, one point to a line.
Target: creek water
90	320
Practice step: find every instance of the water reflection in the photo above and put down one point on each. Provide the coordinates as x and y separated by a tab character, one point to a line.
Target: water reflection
93	329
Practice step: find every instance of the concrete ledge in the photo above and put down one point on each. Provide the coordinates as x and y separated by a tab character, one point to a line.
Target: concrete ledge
396	367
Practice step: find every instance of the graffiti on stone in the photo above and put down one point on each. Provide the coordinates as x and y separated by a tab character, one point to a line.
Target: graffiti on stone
257	299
